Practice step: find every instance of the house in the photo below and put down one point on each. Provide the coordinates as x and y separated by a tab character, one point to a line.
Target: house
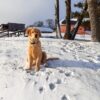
83	29
10	29
45	29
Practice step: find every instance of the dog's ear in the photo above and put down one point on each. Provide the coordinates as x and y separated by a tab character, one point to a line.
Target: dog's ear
28	31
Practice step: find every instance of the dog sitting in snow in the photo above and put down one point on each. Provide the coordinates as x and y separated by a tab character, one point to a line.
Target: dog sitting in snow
35	56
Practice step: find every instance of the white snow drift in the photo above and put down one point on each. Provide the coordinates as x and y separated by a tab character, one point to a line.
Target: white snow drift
74	76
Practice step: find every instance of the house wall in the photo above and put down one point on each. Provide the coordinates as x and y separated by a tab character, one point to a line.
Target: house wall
81	29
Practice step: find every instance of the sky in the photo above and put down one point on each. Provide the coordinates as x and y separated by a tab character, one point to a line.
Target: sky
30	11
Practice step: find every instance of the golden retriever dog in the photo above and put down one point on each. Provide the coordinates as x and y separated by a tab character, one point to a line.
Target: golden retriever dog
35	55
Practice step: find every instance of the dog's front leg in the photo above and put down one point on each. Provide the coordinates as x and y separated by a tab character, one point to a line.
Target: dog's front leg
38	62
29	61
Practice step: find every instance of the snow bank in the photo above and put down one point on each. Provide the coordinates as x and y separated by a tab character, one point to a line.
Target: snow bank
74	76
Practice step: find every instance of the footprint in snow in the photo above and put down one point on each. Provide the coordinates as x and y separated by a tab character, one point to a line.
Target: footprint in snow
52	86
48	73
1	98
68	74
58	81
61	71
35	82
47	78
64	97
41	89
8	53
64	50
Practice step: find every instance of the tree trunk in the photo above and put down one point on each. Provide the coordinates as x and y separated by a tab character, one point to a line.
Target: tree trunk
94	19
79	21
68	24
58	31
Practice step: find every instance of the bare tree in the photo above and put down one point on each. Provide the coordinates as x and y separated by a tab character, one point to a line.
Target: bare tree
50	23
68	15
79	21
94	12
38	24
58	31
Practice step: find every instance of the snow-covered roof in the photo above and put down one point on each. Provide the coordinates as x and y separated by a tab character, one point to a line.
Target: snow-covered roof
45	29
75	20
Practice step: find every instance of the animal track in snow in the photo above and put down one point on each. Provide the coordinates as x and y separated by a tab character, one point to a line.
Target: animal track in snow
41	89
1	98
58	81
47	78
8	53
68	74
61	71
64	97
64	50
35	83
51	86
48	73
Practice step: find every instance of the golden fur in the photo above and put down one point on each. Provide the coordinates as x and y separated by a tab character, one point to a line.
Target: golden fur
35	56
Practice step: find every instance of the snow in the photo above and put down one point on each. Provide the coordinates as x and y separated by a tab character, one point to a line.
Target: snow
74	76
75	20
83	37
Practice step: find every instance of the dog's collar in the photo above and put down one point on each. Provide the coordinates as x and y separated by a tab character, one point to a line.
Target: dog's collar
33	43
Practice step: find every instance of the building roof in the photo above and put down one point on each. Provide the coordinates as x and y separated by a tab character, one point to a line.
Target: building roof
63	21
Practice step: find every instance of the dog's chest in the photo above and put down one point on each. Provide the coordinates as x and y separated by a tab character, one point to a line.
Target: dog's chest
35	51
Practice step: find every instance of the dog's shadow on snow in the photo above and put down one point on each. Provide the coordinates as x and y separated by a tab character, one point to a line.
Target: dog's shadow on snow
73	64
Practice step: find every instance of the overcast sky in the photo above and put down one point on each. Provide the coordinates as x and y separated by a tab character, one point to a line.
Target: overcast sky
29	11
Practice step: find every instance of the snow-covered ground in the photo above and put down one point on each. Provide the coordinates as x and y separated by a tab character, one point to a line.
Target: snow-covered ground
74	76
84	37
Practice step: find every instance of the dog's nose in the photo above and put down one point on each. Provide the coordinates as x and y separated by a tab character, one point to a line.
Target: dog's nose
36	35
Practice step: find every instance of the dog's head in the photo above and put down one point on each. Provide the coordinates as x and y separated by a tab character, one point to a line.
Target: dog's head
33	34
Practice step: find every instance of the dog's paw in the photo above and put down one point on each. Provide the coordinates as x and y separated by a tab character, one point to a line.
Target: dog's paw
37	69
26	68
